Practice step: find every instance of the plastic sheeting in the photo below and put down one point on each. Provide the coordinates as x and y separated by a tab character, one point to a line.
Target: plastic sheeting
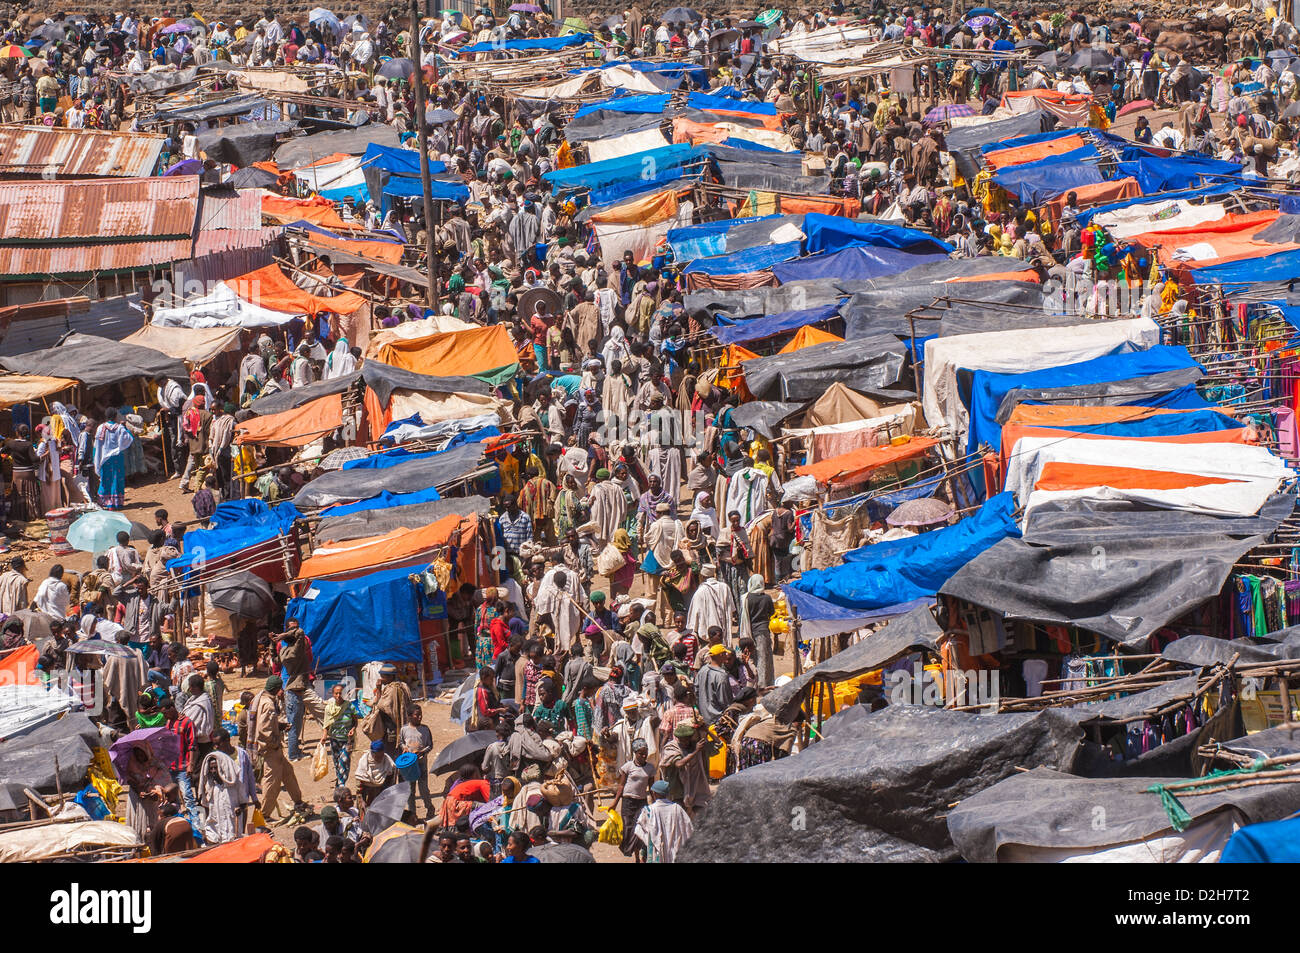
354	621
1036	182
1154	565
404	546
1281	266
236	525
987	389
916	567
870	364
1219	188
486	353
913	631
745	261
832	233
307	149
964	142
347	485
545	43
636	167
242	144
1156	175
294	428
877	788
28	759
856	262
96	361
383	520
773	324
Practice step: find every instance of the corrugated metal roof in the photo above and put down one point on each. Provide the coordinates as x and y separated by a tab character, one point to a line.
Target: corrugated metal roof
39	212
36	150
113	318
18	263
214	241
225	211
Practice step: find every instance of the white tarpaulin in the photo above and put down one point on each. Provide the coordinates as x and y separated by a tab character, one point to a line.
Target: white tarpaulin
435	408
1031	349
1158	217
53	840
1199	844
196	345
220	308
639	141
828	45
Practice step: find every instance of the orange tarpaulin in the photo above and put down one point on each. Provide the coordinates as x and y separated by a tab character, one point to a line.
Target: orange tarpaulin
772	123
19	666
244	850
856	465
467	353
823	204
390	550
1063	415
807	336
653	208
1013	432
1027	275
270	287
688	130
294	428
1232	237
1099	193
390	252
1018	155
1077	476
318	211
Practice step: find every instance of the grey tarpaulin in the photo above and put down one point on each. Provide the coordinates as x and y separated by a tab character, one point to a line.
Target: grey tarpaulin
603	124
772	180
752	234
877	787
237	105
868	364
383	379
1153	565
155	83
295	397
1269	743
307	149
1203	651
28	760
1045	808
964	142
907	633
1284	230
1105	393
242	143
752	302
884	310
96	361
362	483
378	522
765	416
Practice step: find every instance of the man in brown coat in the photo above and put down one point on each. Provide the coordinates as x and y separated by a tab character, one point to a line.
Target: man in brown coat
266	739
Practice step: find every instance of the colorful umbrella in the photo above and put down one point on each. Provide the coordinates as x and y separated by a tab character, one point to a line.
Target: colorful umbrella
14	52
948	111
768	17
96	532
525	8
164	744
176	28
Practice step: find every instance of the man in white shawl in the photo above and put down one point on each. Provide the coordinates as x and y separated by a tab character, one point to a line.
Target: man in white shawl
226	788
747	494
711	605
341	361
664	437
608	504
124	678
662	537
663	826
560	598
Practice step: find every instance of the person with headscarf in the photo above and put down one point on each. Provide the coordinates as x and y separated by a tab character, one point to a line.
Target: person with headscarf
48	471
616	349
341	361
111	442
560	603
755	611
608	505
616	562
711	605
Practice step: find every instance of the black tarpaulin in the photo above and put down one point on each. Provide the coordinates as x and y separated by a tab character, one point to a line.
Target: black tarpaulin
753	302
28	760
365	523
156	83
1121	393
1204	651
1269	743
362	483
908	633
1285	230
297	396
238	105
883	310
96	361
752	234
765	416
307	149
604	124
383	379
1048	809
869	364
877	788
242	143
1112	567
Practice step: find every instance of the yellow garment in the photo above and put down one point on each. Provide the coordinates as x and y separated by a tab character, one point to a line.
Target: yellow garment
509	475
1168	295
244	463
104	779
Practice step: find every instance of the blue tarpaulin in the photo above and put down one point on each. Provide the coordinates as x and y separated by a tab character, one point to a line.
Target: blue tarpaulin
548	43
857	263
1282	266
709	103
1036	182
744	261
1272	842
706	238
354	621
384	501
772	324
236	525
751	146
830	233
1218	188
401	186
397	161
637	167
650	104
885	574
987	388
622	191
1154	174
400	455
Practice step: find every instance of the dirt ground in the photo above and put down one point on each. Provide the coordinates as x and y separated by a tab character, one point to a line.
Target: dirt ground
142	501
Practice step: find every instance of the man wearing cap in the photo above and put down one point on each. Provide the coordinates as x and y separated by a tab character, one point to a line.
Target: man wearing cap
711	605
393	702
375	771
682	765
266	740
712	686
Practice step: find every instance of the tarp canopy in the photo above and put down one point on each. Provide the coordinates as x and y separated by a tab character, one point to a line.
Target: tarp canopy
198	346
1156	175
294	428
400	547
855	262
29	758
916	567
378	521
987	388
426	471
1280	266
528	44
271	288
774	324
1035	182
964	142
307	149
20	388
832	233
856	466
628	168
869	364
243	143
1172	561
375	617
1034	816
745	261
1133	423
485	353
236	525
96	361
913	631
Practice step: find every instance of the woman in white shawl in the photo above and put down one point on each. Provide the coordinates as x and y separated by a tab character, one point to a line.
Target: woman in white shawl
48	470
705	513
111	442
560	597
756	608
341	361
221	794
616	349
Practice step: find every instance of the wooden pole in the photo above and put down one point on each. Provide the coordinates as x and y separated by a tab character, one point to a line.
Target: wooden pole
422	127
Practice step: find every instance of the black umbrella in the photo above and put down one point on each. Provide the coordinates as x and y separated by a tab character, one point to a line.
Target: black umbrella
396	69
251	178
463	750
1052	59
722	37
1031	43
682	15
1091	58
243	594
388	807
561	854
435	116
